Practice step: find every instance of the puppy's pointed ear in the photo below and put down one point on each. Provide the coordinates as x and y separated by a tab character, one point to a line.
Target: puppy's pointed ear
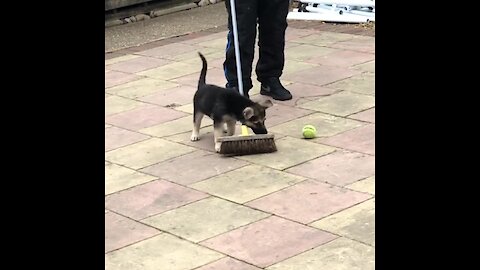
267	103
248	112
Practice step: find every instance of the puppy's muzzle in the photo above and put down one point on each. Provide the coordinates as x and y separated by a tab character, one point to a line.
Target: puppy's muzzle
260	130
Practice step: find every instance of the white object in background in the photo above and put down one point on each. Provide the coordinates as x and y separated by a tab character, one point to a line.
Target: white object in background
327	17
349	11
361	3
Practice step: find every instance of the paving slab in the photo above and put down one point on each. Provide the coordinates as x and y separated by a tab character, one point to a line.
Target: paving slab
360	139
308	201
363	83
321	75
163	250
173	127
290	152
170	71
366	185
121	231
205	219
146	153
356	222
268	241
338	168
340	104
115	104
184	170
228	263
113	78
118	178
326	125
151	198
173	97
367	115
247	183
339	254
140	88
117	137
137	64
143	117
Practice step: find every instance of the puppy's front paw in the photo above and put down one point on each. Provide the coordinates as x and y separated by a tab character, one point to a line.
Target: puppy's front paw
194	137
217	147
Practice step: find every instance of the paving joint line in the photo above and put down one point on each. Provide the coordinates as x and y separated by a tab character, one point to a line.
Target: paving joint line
180	237
141	221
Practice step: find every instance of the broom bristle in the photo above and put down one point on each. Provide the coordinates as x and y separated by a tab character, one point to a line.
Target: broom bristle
248	146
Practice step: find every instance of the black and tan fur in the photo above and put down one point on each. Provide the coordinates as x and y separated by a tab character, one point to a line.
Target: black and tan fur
225	106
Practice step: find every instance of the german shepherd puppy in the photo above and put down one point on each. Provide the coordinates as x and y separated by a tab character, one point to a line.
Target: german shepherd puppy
225	106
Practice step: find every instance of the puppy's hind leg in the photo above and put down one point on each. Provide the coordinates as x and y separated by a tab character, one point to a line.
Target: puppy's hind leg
197	122
217	133
231	127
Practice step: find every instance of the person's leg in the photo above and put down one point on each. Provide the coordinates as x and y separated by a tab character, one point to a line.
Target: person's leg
246	12
272	23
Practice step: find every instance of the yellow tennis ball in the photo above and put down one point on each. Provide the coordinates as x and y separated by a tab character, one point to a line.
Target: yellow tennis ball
309	132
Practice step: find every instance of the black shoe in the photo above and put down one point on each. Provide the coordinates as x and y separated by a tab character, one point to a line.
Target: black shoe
274	88
235	88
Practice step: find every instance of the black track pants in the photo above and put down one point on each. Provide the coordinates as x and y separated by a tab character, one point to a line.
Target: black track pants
271	16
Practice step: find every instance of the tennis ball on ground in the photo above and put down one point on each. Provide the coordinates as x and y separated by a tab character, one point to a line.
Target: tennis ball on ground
309	132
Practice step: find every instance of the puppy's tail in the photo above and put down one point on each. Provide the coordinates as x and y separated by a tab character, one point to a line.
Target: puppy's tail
203	73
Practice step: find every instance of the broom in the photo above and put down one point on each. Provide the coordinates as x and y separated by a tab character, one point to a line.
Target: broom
244	144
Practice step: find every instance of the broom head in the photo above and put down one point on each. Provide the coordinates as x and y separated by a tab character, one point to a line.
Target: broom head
247	144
